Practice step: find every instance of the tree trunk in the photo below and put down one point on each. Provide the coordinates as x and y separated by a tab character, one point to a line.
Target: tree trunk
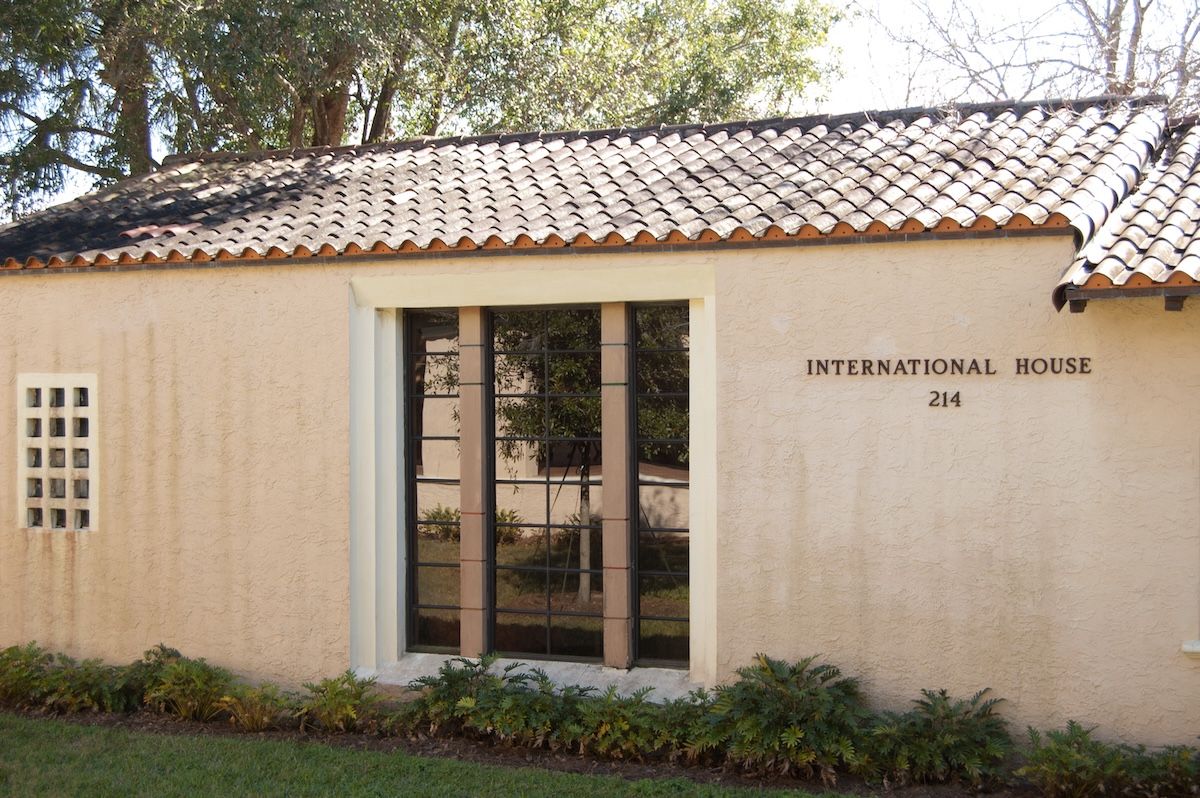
329	117
123	49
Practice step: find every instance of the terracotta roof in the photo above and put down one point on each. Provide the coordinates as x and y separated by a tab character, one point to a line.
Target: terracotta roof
1153	239
981	168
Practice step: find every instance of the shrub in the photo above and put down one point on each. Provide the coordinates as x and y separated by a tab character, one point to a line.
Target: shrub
785	718
621	727
140	677
1071	763
339	704
190	689
440	522
23	672
255	709
88	686
521	708
939	740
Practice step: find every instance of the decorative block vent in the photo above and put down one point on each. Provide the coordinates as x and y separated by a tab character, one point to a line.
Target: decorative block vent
57	463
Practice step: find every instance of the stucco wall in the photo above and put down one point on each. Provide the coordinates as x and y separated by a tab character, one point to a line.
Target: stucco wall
223	440
1043	539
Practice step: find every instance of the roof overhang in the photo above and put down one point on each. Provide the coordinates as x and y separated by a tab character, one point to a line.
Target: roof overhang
1077	298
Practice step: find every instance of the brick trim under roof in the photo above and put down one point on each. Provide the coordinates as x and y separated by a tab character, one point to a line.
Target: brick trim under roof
976	169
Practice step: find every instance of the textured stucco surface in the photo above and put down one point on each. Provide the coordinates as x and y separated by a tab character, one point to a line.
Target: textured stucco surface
1042	540
223	438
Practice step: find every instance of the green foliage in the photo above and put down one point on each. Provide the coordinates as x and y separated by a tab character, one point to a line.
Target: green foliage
88	86
255	709
621	727
342	703
23	672
88	686
941	739
785	718
522	708
439	708
1070	763
190	689
443	523
140	677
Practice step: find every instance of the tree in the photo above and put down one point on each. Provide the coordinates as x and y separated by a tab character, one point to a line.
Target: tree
100	88
961	50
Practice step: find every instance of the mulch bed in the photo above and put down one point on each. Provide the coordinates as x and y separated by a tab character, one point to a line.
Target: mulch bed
487	754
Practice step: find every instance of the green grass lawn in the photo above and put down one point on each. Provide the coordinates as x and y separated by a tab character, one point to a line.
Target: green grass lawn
52	757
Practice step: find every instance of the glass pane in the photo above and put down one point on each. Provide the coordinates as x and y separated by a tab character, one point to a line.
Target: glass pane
433	330
576	637
438	459
568	545
665	596
433	416
521	417
575	417
436	628
663	551
573	504
520	504
517	459
437	502
520	634
520	590
665	460
663	640
519	374
437	585
523	546
577	592
573	328
662	417
434	374
574	373
661	327
663	506
662	372
437	544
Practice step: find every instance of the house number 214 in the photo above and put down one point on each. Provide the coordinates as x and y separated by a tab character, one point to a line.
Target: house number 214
944	399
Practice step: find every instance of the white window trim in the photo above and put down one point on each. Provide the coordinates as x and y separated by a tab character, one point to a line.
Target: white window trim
377	302
69	472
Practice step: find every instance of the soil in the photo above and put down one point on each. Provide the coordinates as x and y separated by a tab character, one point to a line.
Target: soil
487	754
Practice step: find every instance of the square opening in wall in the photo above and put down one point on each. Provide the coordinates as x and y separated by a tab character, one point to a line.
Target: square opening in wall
33	427
81	489
83	519
33	458
58	428
81	397
33	517
58	518
33	397
58	458
58	489
58	397
80	458
81	428
33	488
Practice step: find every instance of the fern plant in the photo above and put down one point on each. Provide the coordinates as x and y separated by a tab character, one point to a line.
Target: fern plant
781	717
339	704
190	689
255	709
88	686
23	671
940	739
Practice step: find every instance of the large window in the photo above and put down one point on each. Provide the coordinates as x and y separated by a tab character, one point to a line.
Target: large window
506	413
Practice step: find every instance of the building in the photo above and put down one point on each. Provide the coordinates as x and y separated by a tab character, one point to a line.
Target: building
652	397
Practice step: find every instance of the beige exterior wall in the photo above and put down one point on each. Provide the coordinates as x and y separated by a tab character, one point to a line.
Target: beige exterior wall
1043	539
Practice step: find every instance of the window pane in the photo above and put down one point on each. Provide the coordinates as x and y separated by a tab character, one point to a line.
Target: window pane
663	551
662	372
522	546
438	543
433	416
664	596
437	459
574	504
665	460
577	417
663	640
523	417
577	592
518	459
567	547
662	417
523	634
435	629
521	590
437	585
435	374
663	506
661	327
436	502
576	637
575	372
521	503
573	328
